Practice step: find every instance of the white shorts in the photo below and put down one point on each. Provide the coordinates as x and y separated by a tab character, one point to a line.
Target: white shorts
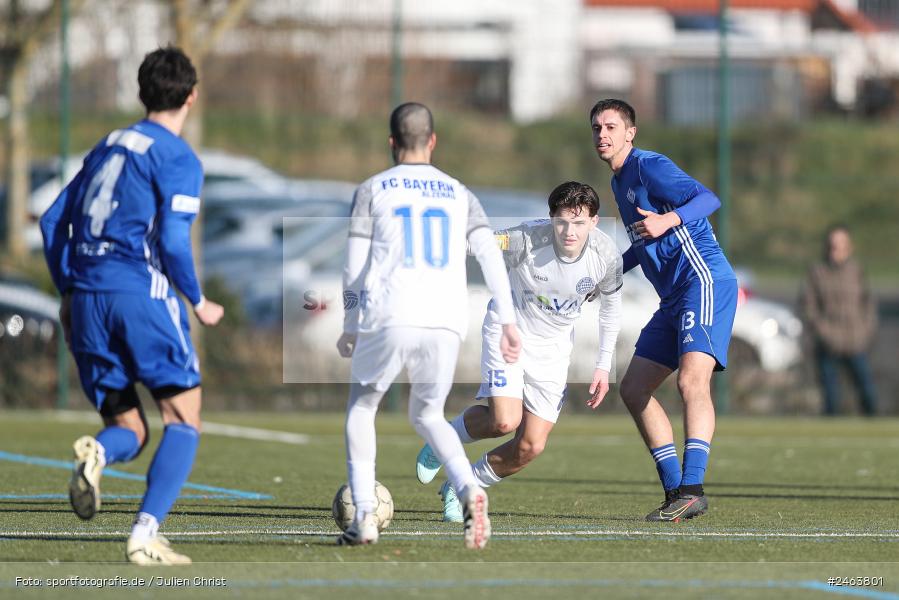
539	377
429	356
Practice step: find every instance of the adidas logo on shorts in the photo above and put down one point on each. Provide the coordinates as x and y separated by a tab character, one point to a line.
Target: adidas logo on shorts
687	339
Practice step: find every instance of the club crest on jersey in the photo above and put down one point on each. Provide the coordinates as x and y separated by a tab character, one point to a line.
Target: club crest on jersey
585	285
631	195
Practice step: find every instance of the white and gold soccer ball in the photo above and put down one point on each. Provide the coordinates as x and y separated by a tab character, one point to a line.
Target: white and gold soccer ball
344	510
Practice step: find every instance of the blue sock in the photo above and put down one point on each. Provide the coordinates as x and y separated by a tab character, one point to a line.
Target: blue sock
119	444
696	457
169	470
667	465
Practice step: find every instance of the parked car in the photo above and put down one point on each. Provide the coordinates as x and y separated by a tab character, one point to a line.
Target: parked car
29	323
26	312
766	336
257	242
219	168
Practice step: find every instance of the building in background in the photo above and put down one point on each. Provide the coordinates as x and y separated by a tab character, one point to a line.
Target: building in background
528	60
791	58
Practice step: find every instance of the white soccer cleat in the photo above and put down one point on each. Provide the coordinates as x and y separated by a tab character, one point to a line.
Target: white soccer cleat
84	487
426	465
477	523
360	533
154	551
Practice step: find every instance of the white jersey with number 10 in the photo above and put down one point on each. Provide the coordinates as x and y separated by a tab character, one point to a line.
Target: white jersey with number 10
418	219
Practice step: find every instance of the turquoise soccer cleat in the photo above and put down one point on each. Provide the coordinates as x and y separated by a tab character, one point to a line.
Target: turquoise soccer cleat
426	465
452	509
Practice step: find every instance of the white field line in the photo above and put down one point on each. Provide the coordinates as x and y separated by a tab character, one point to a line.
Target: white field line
548	533
598	439
234	431
580	439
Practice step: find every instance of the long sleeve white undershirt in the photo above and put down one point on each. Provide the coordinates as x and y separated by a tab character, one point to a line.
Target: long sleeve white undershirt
609	327
357	263
482	245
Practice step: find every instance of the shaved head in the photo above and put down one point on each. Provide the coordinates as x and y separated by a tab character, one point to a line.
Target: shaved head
411	126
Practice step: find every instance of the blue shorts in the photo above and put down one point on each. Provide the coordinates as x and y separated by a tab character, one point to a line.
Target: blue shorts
119	339
698	319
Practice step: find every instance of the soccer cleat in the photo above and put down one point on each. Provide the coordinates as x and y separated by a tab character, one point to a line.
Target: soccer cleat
477	523
670	496
154	551
84	487
360	533
426	464
452	510
678	507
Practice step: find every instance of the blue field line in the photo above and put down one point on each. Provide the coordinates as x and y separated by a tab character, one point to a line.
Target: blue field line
553	583
67	465
630	584
846	590
114	497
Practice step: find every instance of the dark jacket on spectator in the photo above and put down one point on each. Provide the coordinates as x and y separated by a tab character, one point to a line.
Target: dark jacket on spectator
839	309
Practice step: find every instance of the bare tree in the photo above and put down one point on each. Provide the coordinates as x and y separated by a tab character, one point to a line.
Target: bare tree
199	25
22	33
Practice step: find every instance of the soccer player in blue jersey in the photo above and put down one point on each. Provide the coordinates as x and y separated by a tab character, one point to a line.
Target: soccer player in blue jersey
117	242
665	213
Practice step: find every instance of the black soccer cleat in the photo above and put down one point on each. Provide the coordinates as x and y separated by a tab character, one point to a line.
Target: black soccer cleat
679	506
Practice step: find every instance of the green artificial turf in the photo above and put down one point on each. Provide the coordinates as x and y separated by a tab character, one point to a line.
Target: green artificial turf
792	502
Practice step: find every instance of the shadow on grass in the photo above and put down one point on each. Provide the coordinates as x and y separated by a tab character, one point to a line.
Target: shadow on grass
716	485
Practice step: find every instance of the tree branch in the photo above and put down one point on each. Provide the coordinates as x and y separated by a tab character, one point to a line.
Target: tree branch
44	24
30	38
228	19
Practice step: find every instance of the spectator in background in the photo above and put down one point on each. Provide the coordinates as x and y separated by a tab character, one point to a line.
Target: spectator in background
841	314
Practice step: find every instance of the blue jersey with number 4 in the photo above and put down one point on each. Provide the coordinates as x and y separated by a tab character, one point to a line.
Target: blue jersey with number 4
685	253
130	209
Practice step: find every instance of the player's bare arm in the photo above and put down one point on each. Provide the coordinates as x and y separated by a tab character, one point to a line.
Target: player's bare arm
346	344
209	313
510	345
598	388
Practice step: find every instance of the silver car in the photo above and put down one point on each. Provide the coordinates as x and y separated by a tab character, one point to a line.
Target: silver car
765	341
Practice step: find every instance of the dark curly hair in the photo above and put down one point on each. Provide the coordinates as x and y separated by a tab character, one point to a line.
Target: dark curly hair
575	197
166	78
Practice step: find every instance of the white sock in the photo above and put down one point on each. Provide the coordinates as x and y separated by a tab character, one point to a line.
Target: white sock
459	425
101	454
145	527
361	448
484	473
458	471
362	484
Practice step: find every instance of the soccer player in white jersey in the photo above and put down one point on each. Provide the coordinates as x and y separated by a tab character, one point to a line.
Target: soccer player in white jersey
555	265
410	228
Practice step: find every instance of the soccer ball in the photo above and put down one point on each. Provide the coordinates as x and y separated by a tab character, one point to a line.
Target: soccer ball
344	510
